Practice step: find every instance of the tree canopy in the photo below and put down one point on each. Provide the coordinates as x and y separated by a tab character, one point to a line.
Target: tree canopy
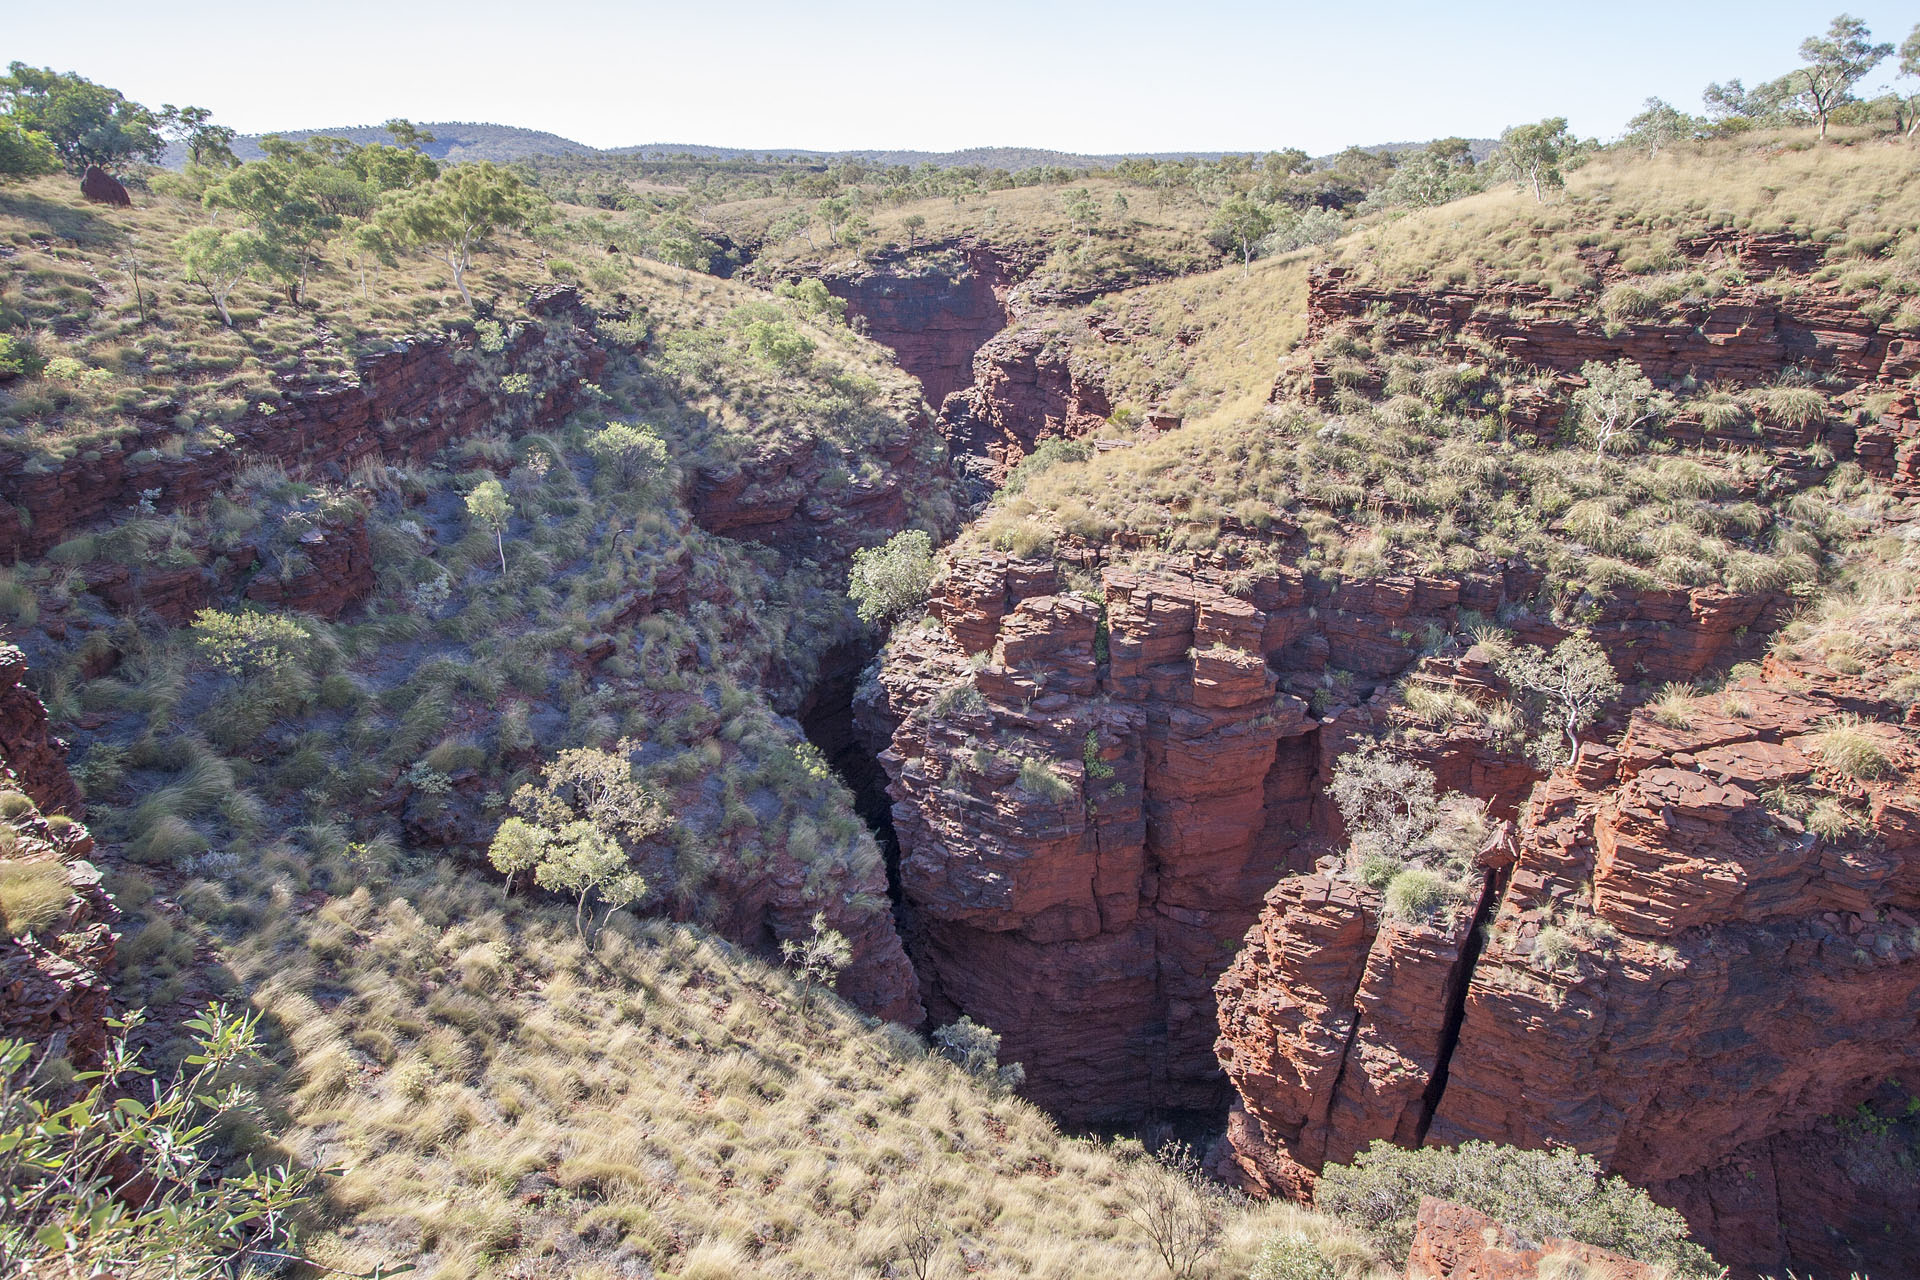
457	213
1835	63
1533	156
85	123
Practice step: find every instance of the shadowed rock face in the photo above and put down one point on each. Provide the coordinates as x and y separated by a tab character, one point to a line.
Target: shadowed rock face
1722	982
54	988
36	759
932	317
1086	835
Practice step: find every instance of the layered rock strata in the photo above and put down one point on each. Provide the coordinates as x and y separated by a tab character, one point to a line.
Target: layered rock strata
1091	796
1679	973
404	406
1752	335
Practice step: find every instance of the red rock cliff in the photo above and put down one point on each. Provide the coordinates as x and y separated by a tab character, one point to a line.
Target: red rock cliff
1677	978
1086	836
933	309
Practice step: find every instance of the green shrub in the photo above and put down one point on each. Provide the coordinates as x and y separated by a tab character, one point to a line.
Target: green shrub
1537	1193
250	646
17	357
889	582
69	1162
632	450
1291	1257
779	343
1418	896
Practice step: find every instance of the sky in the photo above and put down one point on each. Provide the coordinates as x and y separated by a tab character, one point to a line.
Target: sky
1119	76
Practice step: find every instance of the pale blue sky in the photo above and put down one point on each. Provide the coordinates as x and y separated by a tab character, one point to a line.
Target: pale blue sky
1097	77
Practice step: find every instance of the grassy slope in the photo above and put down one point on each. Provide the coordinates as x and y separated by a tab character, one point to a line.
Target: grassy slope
560	1109
66	285
1860	196
1458	490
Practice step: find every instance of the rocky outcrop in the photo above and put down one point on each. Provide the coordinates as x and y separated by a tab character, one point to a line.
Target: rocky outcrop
813	500
1028	385
1453	1242
1092	796
54	986
37	759
1679	975
54	989
101	187
404	406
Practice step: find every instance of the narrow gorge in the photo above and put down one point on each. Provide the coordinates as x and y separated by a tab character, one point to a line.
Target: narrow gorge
1111	804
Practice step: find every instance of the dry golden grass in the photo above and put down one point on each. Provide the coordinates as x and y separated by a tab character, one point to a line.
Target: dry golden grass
1860	196
68	285
506	1098
1202	346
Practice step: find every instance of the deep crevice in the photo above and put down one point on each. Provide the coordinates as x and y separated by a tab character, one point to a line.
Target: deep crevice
1490	894
826	717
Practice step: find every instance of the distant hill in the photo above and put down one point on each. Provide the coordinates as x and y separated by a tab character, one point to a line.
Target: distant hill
1012	159
453	140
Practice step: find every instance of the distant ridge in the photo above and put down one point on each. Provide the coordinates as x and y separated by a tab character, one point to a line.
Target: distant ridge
1012	159
455	141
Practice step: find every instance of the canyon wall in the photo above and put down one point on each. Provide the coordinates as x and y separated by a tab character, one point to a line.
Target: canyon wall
404	406
54	986
1784	327
1092	797
986	344
933	308
1676	978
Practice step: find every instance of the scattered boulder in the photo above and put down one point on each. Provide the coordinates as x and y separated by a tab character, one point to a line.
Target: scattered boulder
101	187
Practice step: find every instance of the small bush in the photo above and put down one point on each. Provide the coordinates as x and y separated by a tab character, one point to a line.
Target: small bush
1830	820
1418	895
632	450
32	896
1555	947
1536	1193
1674	706
889	582
1038	777
1799	407
1291	1257
1847	747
